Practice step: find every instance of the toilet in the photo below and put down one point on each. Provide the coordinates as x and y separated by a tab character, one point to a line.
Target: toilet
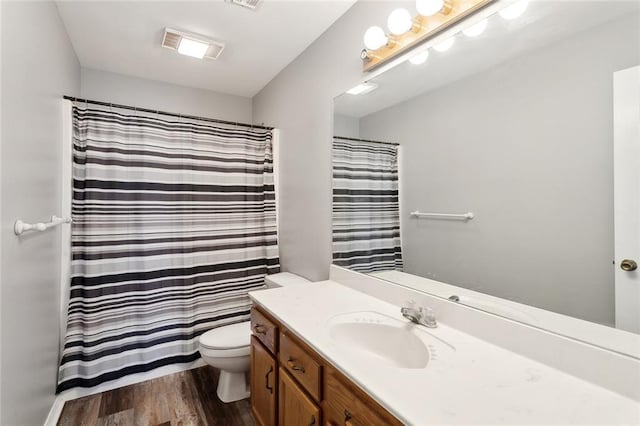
228	347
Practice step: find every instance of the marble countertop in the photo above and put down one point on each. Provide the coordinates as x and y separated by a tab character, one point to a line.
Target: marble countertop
478	383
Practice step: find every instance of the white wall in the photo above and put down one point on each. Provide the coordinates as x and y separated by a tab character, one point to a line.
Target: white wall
299	102
348	127
38	67
528	147
134	91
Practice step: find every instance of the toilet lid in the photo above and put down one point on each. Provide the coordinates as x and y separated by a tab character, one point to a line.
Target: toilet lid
228	336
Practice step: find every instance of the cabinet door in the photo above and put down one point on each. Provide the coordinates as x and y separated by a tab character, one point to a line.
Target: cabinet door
295	408
264	382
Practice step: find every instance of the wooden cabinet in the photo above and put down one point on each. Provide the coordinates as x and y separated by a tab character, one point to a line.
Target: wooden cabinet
264	382
292	385
294	406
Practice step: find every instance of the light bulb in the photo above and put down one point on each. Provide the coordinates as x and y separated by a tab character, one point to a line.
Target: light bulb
445	45
399	21
374	38
476	29
429	7
420	58
515	10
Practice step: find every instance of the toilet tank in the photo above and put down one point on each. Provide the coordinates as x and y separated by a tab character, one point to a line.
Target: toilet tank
284	279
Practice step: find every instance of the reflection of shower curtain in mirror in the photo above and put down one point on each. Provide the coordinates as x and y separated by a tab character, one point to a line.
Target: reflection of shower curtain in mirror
366	217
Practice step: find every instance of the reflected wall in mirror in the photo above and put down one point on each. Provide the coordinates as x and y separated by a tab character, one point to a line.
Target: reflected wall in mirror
517	126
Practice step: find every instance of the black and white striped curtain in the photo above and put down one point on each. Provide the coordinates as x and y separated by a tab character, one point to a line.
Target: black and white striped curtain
366	217
174	222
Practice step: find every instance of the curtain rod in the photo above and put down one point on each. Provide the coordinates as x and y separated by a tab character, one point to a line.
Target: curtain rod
170	114
365	140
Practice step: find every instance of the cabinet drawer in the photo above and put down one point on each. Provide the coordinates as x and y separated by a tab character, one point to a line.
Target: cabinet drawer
302	366
265	330
342	406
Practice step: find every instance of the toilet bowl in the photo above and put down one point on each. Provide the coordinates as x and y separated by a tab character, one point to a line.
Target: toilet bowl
228	347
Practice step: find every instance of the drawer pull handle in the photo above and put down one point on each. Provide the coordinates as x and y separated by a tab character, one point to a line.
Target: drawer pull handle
313	421
347	416
294	366
259	329
266	380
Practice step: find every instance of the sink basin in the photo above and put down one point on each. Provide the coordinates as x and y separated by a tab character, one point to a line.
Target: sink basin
387	340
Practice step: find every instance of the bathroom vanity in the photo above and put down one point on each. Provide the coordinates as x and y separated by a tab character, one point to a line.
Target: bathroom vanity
291	384
339	352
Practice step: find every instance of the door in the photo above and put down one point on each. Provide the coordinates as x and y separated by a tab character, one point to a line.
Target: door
295	408
626	126
263	384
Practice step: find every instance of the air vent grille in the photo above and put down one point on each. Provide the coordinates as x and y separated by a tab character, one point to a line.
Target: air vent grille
249	4
171	40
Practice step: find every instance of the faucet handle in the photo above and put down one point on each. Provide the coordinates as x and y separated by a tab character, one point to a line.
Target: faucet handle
427	312
428	317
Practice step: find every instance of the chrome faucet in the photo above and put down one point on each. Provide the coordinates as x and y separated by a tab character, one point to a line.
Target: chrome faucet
421	316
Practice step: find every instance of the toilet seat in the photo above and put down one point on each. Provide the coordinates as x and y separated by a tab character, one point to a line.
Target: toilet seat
225	353
227	341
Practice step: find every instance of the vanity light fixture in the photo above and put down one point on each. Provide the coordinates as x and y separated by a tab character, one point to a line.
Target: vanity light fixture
362	89
420	58
445	45
476	29
192	45
514	10
405	33
435	16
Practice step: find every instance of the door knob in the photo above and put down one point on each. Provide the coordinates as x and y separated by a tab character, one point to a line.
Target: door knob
628	265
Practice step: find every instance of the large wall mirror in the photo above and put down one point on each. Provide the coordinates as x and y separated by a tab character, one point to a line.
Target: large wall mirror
503	172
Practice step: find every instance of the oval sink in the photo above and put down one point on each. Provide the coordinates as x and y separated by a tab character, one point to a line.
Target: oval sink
385	339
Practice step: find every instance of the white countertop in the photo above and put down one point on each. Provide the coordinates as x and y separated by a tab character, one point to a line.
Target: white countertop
479	383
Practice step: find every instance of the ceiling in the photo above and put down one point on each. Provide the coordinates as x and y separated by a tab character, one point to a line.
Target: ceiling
124	37
543	23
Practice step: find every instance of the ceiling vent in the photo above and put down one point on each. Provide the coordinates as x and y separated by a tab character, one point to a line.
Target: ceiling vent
249	4
192	44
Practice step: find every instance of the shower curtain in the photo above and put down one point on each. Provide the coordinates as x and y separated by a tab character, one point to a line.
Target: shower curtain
366	216
174	222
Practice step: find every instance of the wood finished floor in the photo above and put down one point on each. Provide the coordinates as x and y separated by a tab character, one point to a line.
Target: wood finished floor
186	398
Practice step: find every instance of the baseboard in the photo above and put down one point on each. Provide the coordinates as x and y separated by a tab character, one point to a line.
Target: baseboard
75	393
55	411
